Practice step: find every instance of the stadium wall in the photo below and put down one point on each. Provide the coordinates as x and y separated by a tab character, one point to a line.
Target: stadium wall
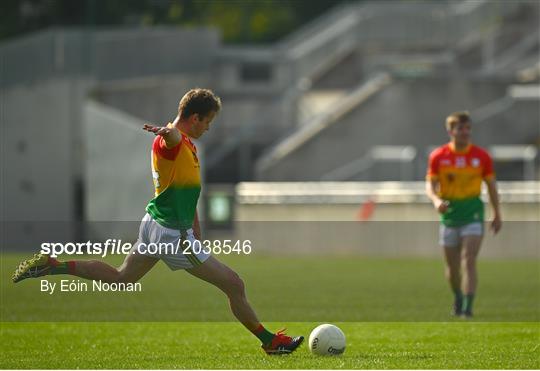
153	99
42	164
114	140
380	219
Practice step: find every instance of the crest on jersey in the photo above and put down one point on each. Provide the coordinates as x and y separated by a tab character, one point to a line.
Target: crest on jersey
460	162
475	162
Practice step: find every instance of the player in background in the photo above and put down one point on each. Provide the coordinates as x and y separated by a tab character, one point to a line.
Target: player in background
171	216
453	183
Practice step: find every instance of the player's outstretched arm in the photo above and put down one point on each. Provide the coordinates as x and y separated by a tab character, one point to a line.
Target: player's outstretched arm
171	136
496	223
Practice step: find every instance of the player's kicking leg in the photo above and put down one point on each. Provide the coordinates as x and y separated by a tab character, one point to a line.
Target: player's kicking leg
231	284
132	269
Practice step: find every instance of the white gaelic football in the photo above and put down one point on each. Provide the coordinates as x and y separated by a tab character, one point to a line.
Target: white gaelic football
327	340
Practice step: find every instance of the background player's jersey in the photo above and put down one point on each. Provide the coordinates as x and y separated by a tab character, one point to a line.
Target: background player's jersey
177	182
460	176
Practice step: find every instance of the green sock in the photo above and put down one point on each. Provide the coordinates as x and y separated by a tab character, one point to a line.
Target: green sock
458	299
263	335
468	303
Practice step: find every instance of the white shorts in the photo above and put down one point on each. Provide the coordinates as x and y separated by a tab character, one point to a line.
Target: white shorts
451	236
169	245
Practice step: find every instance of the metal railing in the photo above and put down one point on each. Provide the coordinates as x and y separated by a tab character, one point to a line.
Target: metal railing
441	24
355	192
308	131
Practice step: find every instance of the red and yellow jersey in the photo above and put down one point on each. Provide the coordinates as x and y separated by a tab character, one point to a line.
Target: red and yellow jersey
460	175
177	183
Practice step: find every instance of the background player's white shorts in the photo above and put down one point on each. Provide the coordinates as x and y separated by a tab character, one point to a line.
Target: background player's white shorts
451	236
163	243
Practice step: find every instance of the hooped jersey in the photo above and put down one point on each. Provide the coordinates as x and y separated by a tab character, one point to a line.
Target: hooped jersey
177	183
460	175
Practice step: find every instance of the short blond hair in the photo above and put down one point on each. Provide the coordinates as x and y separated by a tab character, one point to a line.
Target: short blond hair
457	118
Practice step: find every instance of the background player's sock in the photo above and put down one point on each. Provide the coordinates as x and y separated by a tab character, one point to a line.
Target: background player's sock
58	267
467	304
458	301
263	334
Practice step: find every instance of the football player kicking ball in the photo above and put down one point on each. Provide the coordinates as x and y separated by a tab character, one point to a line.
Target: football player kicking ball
454	181
171	216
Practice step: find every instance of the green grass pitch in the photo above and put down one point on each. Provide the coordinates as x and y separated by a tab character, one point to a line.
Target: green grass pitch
394	313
